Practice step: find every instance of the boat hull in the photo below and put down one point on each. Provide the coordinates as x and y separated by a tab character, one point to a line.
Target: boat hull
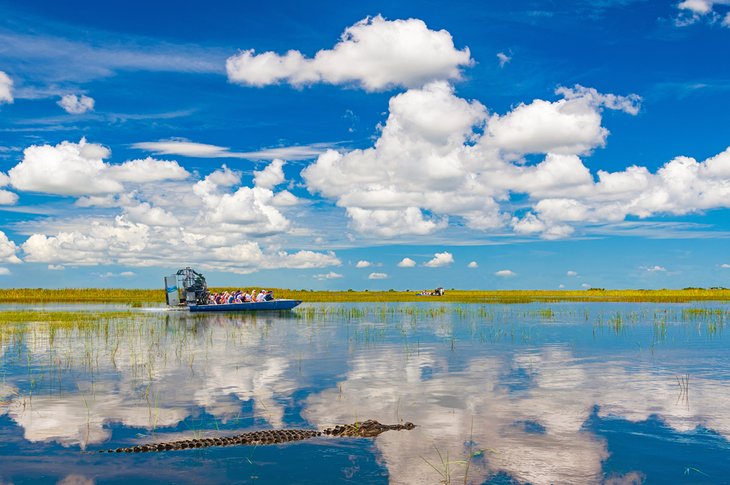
273	305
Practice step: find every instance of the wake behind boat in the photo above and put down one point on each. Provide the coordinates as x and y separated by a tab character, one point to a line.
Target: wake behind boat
188	288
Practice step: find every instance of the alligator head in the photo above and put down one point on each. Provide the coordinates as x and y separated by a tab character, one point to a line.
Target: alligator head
365	429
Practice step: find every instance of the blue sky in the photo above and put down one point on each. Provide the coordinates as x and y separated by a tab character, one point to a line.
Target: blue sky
383	145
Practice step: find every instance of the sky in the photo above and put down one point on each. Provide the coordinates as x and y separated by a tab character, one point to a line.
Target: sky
373	145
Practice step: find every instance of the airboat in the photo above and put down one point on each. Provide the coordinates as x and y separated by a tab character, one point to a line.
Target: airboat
188	289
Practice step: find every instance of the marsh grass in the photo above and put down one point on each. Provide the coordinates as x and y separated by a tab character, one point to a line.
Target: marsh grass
62	317
683	383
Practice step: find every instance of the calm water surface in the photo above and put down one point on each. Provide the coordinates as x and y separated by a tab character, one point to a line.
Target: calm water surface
537	393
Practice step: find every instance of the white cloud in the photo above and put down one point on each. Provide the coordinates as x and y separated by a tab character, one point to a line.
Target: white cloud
301	260
184	148
363	264
682	185
586	285
328	276
628	104
76	105
696	6
135	244
162	217
145	213
725	266
692	11
503	58
4	271
122	274
79	169
146	170
8	250
271	176
56	267
7	197
655	269
472	265
418	157
571	125
441	157
250	208
202	150
505	273
406	263
571	273
392	223
377	276
6	88
439	260
374	53
284	199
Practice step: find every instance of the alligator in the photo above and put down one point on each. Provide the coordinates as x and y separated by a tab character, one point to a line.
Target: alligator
364	429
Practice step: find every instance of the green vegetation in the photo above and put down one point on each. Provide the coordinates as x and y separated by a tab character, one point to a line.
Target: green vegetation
95	295
61	317
80	295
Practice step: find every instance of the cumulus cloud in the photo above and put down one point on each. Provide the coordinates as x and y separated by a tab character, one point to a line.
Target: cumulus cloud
377	276
392	223
571	273
363	264
76	105
472	265
655	269
162	214
440	260
374	54
271	176
725	266
8	250
328	276
571	125
6	88
136	244
418	157
4	271
441	157
442	160
681	186
505	273
79	169
406	263
251	208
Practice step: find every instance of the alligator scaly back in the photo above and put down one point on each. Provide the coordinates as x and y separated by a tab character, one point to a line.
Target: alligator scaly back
365	429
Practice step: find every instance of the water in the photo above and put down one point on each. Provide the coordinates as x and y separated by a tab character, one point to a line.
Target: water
538	393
